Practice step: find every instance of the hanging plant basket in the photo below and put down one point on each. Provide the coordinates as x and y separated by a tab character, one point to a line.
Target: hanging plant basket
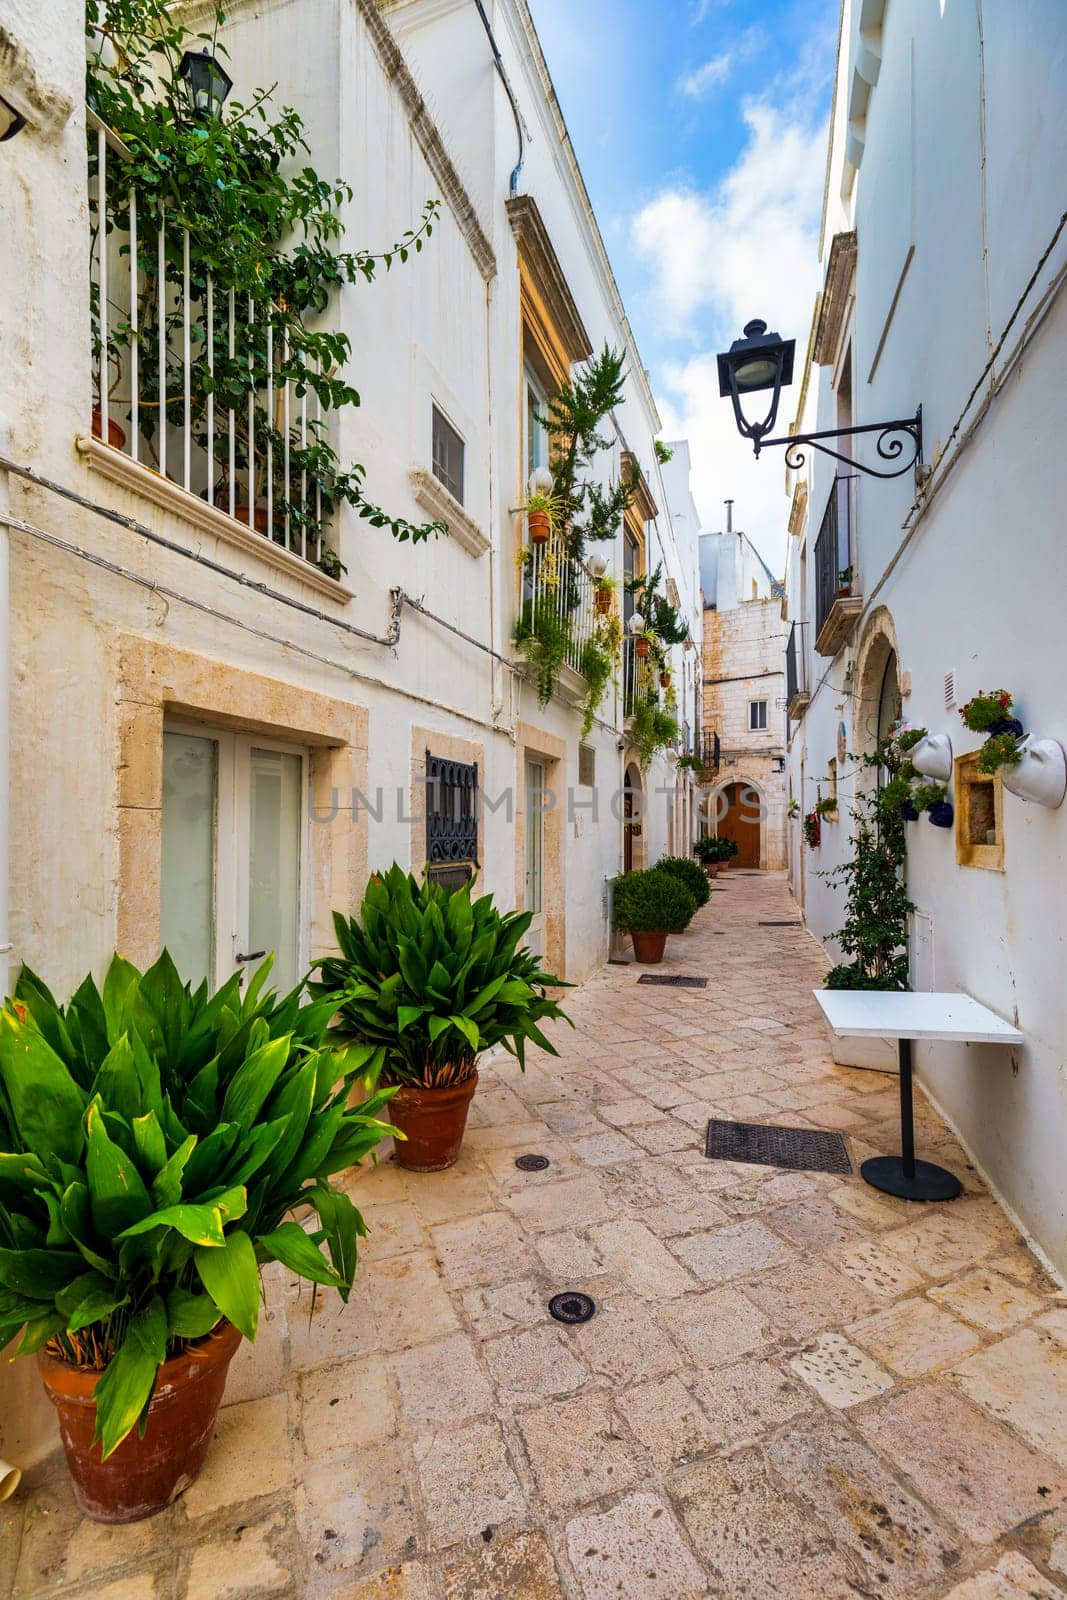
664	680
942	814
1040	775
602	601
642	647
932	756
539	526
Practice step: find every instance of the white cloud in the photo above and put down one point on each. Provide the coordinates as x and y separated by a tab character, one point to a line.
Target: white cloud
713	72
717	70
748	249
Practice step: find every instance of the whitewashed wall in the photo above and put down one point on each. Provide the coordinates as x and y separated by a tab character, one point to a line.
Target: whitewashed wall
959	190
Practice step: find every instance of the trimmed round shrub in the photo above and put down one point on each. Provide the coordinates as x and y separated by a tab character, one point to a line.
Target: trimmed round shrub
652	902
688	873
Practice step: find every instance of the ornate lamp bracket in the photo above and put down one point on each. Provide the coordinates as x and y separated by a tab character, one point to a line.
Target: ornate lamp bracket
898	442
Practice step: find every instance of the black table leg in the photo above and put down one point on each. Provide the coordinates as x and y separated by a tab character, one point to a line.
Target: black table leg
902	1175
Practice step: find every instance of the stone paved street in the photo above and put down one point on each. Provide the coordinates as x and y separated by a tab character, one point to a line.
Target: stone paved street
793	1386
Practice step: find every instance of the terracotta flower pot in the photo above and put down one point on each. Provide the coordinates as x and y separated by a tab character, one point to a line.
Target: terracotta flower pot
116	436
642	647
539	525
664	680
602	600
144	1475
434	1121
648	947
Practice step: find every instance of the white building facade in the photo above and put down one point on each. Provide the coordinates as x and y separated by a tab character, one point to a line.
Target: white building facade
214	740
944	257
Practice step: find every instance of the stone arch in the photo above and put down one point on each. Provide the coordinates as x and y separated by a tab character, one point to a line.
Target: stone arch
876	681
634	815
746	785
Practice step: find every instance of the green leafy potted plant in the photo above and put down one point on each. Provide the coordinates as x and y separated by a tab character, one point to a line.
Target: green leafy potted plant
154	1140
999	750
650	905
425	982
826	808
933	799
542	510
604	588
688	873
715	852
990	712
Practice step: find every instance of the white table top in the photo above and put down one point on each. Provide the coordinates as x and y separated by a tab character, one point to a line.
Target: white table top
895	1015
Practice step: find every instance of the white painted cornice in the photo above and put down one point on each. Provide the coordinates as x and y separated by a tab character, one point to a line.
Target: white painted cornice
432	495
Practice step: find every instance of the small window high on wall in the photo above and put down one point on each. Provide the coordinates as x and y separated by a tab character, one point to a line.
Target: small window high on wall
448	454
757	716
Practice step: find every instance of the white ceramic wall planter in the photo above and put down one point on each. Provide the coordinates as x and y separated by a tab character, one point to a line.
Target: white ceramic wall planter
1040	776
932	757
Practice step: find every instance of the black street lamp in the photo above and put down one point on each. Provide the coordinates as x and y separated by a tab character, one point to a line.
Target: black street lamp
206	83
758	361
764	361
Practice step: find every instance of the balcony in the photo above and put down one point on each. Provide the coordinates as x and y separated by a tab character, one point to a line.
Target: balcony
837	602
558	604
798	696
710	756
198	399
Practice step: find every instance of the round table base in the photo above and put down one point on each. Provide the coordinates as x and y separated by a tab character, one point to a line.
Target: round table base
929	1183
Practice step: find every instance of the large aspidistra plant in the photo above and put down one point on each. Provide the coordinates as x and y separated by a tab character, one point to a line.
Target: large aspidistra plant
427	979
152	1141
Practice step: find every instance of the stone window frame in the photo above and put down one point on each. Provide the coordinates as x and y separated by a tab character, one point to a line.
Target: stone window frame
158	681
990	857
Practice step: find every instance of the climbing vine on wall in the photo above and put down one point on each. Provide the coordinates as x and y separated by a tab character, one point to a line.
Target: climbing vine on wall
264	225
875	930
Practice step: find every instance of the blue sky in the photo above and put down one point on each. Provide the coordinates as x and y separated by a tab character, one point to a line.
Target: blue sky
700	129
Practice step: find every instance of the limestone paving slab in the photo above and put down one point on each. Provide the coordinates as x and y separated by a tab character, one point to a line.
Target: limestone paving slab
866	1510
962	1462
1023	1380
839	1372
633	1549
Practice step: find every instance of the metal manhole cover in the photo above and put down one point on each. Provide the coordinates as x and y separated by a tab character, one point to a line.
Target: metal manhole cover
673	982
572	1306
800	1149
531	1163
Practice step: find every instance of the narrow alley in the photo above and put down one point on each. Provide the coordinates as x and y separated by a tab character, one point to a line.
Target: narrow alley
791	1386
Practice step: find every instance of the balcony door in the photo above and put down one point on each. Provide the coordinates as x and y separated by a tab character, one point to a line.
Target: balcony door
234	854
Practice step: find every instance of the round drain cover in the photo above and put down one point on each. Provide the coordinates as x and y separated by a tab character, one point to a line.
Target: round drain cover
531	1163
572	1307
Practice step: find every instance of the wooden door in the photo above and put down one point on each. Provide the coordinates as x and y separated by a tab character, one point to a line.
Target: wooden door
741	823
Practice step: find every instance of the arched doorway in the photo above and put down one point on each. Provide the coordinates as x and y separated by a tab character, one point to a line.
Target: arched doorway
740	809
878	701
634	848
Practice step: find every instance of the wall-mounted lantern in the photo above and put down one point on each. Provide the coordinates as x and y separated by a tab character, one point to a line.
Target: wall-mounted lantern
761	362
206	83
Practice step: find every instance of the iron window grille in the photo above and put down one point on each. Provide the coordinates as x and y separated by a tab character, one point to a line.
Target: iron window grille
448	453
451	820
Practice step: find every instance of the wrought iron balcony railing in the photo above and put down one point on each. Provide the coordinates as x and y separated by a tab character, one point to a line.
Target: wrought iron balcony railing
837	599
169	351
796	672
